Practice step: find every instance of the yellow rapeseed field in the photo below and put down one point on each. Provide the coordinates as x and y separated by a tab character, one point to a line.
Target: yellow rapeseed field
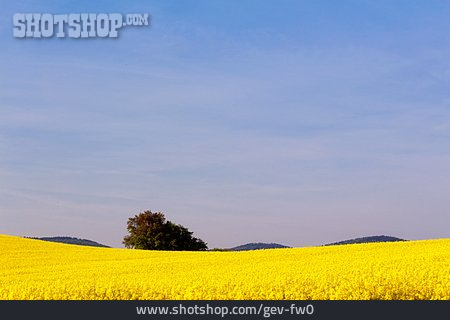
34	269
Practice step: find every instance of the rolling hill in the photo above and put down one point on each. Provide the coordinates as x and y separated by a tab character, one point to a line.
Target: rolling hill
72	240
258	246
406	270
367	240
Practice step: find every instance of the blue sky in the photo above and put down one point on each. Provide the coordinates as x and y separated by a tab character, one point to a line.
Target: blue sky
298	122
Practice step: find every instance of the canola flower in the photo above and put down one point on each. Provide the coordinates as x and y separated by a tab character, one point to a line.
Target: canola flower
36	270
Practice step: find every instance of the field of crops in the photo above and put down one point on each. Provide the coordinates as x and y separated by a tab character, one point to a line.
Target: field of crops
34	269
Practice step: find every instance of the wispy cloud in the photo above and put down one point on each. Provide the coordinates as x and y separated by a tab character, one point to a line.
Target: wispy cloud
301	135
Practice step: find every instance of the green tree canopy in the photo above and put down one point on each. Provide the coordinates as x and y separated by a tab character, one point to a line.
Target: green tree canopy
150	231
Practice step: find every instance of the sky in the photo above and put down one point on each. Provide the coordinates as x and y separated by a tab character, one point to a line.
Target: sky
296	122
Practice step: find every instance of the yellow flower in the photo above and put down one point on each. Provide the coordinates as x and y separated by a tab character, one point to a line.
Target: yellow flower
34	269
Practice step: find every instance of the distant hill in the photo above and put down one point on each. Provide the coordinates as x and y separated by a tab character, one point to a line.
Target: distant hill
367	240
71	240
258	246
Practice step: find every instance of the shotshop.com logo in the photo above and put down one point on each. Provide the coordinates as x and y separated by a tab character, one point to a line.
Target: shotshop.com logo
74	25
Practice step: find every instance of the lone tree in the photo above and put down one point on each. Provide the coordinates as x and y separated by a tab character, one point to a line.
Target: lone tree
150	231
